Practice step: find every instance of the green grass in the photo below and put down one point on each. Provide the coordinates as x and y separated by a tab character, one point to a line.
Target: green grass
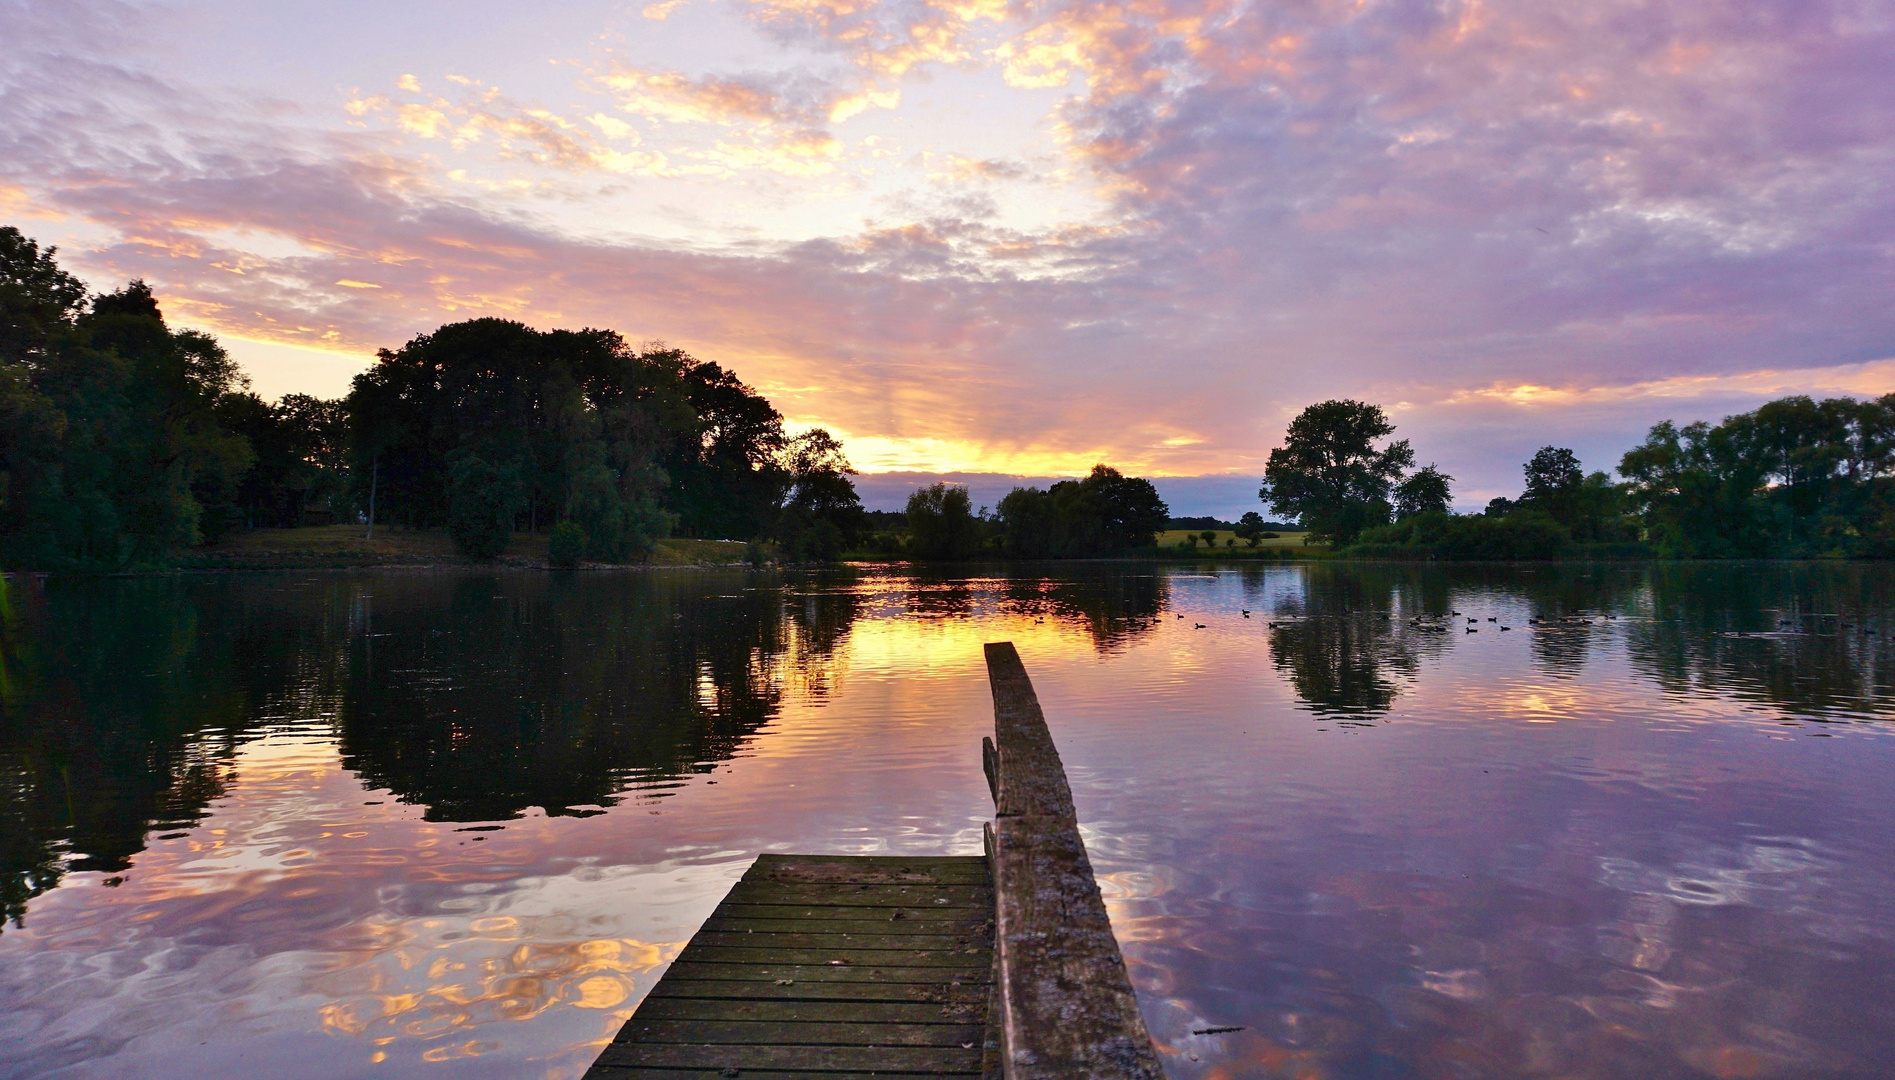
344	545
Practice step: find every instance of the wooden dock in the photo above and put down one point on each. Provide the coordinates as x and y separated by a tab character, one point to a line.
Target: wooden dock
825	966
831	966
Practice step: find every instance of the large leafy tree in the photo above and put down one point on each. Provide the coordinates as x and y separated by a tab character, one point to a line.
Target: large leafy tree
1329	473
1425	491
821	513
1795	477
941	523
1103	513
111	448
490	426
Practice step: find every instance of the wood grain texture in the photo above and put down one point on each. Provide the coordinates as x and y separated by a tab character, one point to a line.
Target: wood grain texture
1066	1009
825	967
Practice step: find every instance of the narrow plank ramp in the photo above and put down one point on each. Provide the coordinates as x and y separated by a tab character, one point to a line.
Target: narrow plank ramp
824	966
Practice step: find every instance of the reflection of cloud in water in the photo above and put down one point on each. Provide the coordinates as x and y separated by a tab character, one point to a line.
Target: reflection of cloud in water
504	969
1776	873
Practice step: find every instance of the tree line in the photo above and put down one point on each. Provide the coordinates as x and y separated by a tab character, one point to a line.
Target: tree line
124	442
1104	513
1795	478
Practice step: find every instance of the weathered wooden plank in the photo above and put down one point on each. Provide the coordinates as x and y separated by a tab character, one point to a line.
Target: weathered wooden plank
746	939
868	870
921	1059
980	924
848	895
641	1073
712	989
1066	1009
926	915
812	1012
770	973
702	1032
843	955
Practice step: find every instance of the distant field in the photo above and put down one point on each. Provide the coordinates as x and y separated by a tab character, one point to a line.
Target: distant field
1171	539
326	545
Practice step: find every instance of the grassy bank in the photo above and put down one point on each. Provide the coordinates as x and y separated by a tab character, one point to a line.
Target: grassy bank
344	546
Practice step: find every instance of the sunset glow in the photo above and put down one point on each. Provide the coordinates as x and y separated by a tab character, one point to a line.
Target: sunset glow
983	235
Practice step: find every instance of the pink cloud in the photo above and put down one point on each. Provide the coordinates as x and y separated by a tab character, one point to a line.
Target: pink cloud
1400	201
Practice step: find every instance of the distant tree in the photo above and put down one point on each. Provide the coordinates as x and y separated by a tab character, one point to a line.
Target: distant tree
490	426
301	448
1103	513
1329	473
1425	491
1499	506
1251	528
1209	537
821	513
1553	481
941	523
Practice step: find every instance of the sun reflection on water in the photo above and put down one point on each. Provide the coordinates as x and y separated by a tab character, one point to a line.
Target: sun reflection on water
380	820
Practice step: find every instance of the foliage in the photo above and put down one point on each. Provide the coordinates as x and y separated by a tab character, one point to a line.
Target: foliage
490	426
821	514
1797	477
1104	513
1425	491
1441	535
1329	474
123	442
941	523
1250	528
300	445
566	544
111	451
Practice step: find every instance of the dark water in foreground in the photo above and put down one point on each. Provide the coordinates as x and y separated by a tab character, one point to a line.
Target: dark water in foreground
455	824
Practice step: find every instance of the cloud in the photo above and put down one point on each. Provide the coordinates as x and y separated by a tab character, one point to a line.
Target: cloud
1512	225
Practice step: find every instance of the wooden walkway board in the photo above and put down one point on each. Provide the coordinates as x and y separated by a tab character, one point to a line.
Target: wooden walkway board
821	967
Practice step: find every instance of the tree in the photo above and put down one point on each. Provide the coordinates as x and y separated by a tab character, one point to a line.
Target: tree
1425	491
38	300
1329	474
1553	481
545	427
821	513
941	523
1250	528
1103	513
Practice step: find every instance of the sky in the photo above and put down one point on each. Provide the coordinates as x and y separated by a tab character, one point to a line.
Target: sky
1014	239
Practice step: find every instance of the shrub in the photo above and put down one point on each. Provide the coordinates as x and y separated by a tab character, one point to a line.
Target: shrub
1451	536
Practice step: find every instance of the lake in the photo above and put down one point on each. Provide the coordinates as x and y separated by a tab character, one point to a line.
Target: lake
1399	821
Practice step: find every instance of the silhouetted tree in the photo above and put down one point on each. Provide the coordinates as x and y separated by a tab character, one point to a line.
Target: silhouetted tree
1423	492
1251	528
1103	513
1329	474
821	513
941	523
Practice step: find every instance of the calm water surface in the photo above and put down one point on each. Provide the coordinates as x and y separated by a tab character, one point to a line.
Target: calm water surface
456	824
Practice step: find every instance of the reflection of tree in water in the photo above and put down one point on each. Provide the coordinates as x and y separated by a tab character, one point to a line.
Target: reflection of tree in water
116	719
1338	644
931	595
1697	638
1114	604
822	608
472	695
561	692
